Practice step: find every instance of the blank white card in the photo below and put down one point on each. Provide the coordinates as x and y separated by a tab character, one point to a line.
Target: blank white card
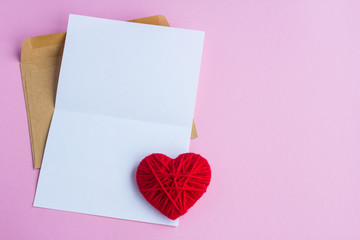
125	90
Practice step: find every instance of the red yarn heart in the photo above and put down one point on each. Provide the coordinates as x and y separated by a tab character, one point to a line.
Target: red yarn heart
173	186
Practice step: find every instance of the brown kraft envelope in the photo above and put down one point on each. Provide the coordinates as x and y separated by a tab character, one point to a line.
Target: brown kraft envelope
40	66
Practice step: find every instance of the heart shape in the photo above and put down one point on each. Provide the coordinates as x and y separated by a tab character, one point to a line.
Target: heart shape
173	186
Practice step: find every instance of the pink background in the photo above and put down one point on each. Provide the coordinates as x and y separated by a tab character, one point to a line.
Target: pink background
278	114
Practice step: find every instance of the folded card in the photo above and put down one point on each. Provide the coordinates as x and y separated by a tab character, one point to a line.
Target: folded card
125	90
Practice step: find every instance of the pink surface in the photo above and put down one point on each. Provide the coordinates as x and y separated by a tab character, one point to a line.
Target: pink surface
278	114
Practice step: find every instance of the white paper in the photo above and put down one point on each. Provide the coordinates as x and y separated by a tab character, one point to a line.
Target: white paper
126	90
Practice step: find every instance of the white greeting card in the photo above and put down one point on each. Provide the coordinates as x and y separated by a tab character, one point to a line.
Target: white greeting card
125	90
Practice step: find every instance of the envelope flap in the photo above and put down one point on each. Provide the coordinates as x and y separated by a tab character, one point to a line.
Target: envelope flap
44	47
153	20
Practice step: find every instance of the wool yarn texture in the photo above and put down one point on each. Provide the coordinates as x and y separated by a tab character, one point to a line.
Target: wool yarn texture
173	186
